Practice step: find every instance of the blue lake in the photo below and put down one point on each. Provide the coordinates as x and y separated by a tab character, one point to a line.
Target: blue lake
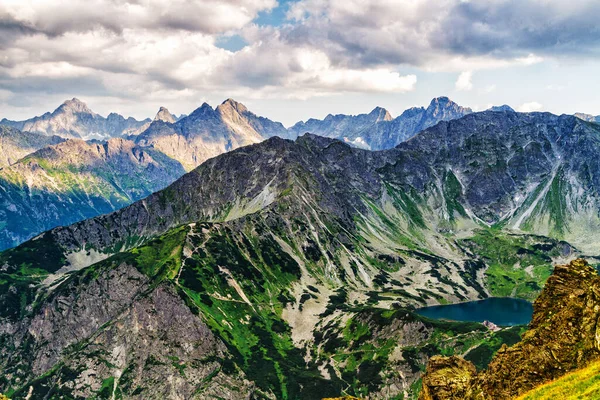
502	311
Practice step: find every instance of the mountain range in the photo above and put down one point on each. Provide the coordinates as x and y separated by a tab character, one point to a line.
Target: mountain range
74	180
378	130
187	140
74	119
291	269
208	132
15	144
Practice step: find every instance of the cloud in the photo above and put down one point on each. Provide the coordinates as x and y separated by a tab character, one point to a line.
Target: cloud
153	49
56	17
426	33
530	107
463	83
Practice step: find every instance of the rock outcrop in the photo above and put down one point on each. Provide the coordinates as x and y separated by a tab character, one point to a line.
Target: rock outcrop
562	337
208	132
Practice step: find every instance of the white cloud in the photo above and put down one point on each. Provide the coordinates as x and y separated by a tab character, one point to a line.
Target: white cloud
530	107
463	83
207	16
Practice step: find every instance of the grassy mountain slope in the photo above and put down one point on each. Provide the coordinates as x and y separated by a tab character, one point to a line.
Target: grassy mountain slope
581	384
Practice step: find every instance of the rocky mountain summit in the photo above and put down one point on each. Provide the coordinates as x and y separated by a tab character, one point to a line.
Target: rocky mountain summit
378	130
562	337
74	119
208	132
165	116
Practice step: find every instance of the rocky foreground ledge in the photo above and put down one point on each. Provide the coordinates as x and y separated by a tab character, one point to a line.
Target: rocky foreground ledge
564	335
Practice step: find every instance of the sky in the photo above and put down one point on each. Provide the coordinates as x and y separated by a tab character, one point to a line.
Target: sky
291	60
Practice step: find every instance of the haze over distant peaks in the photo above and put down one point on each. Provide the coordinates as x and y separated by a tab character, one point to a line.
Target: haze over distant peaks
503	107
74	119
378	130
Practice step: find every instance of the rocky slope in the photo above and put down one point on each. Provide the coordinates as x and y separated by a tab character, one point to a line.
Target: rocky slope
588	117
74	180
378	130
561	337
15	144
208	132
74	119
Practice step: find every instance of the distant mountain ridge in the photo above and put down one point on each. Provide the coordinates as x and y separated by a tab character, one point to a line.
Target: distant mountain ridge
74	119
74	180
208	132
378	130
588	117
15	144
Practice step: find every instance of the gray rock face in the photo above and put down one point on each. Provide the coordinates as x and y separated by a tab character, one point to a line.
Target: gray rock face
208	132
378	130
74	119
165	116
588	117
284	249
117	327
15	144
501	166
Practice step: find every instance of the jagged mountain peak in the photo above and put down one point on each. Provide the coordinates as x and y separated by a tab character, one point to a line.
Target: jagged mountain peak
74	119
381	114
444	102
74	105
204	110
232	104
164	115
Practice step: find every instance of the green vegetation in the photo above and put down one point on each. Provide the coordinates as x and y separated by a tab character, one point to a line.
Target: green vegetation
578	385
453	193
31	262
482	354
365	351
518	265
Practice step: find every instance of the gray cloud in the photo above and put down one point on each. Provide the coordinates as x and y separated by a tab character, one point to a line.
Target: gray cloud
158	49
418	32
